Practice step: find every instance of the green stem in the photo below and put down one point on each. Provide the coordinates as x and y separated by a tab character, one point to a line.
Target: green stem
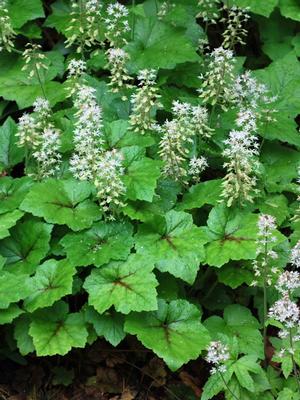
156	6
40	81
227	387
293	360
265	302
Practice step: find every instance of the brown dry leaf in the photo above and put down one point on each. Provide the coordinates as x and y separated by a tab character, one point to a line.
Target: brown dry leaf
156	370
191	382
114	359
108	381
128	394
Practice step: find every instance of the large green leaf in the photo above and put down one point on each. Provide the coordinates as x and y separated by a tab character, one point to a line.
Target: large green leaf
176	246
12	192
13	288
110	325
10	153
21	11
9	220
26	247
100	244
21	334
141	179
238	322
153	37
63	202
174	332
232	235
129	286
54	331
52	281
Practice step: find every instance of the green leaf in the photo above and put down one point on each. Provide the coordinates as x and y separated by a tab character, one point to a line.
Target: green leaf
54	331
21	334
238	322
10	153
7	315
63	202
290	9
141	179
153	37
13	288
235	276
276	205
264	7
177	247
288	394
12	192
232	235
242	369
52	281
214	385
208	192
174	332
100	244
110	325
7	221
129	286
26	247
21	11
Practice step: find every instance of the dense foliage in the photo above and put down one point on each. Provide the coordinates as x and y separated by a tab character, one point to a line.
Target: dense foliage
149	156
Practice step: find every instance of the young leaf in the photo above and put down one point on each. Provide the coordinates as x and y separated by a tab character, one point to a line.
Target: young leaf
100	244
52	281
27	246
176	248
174	332
63	202
54	331
110	325
129	286
232	236
9	220
10	153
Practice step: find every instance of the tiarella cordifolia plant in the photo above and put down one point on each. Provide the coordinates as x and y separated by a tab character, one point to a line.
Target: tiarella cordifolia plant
85	27
235	32
139	199
218	79
144	101
120	79
7	33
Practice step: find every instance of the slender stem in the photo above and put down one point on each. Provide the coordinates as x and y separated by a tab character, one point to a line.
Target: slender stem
26	158
40	80
226	385
265	301
293	360
156	6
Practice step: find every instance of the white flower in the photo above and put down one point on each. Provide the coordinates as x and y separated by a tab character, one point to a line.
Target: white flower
196	166
76	68
288	281
7	33
42	107
295	255
116	24
208	10
35	60
217	354
285	311
28	131
117	59
235	32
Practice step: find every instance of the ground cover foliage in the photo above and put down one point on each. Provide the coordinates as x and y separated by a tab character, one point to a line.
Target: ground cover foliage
149	159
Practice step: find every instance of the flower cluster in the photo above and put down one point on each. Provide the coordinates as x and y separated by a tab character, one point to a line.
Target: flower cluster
116	24
109	184
41	139
117	59
35	60
196	167
208	10
85	24
217	354
266	239
218	80
241	150
7	34
88	135
144	101
177	135
235	33
76	71
295	255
